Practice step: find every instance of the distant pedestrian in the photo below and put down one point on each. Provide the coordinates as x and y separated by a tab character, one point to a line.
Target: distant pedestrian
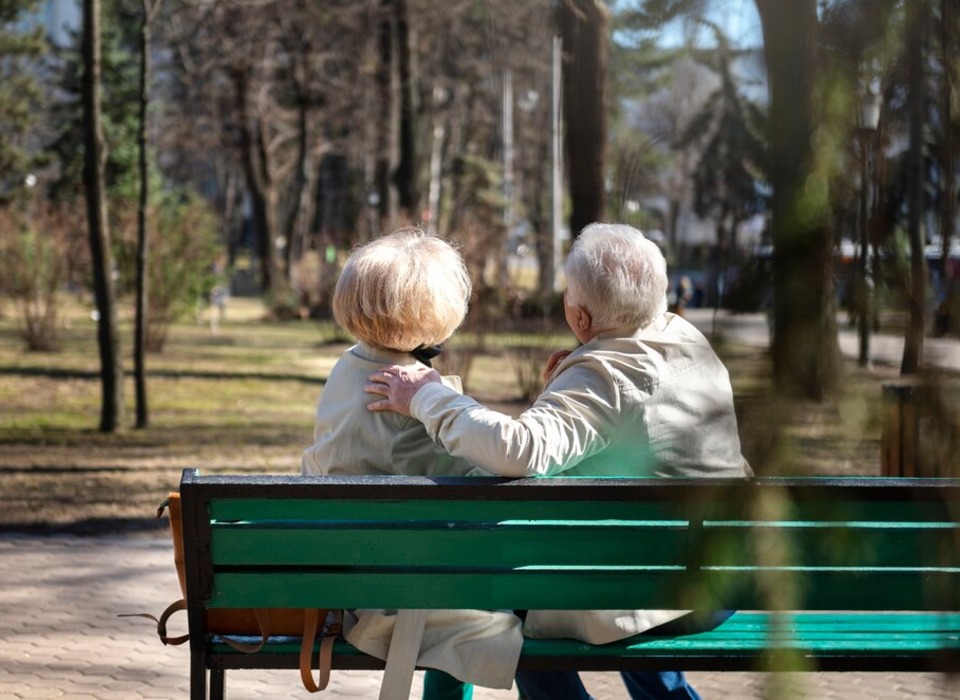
218	307
684	296
218	296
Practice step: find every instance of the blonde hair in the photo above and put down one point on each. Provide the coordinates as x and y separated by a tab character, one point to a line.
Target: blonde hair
618	274
402	290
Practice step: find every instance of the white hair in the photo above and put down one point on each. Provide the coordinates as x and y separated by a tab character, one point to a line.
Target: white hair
618	275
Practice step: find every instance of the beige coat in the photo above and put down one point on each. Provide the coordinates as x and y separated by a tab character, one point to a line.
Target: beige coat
349	439
476	646
656	402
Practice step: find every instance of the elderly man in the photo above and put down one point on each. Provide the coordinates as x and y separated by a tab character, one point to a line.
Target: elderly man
644	395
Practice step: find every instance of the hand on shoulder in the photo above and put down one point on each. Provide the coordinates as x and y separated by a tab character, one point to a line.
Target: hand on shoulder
398	385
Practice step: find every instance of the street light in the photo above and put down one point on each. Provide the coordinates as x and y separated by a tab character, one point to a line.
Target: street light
868	118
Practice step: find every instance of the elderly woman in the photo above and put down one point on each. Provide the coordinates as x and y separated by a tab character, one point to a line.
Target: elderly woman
401	296
643	395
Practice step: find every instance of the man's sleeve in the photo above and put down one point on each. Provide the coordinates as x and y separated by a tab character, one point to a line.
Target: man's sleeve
566	424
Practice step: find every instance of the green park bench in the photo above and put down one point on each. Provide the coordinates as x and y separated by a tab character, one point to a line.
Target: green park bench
829	574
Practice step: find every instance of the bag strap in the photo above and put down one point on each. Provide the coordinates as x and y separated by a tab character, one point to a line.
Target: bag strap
176	606
311	617
402	654
263	622
311	624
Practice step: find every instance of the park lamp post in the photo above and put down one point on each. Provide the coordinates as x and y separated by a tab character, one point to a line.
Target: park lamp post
868	118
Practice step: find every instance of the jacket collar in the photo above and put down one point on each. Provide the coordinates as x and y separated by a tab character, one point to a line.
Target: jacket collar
381	355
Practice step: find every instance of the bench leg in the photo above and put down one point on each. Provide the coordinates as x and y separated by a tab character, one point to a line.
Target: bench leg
402	656
198	676
218	683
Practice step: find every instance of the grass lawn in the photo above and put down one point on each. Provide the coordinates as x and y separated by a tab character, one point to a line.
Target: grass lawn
241	400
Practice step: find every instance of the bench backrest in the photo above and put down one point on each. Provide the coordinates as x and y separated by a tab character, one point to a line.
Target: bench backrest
413	542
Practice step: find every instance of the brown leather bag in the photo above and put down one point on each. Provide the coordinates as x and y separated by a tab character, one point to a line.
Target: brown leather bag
256	622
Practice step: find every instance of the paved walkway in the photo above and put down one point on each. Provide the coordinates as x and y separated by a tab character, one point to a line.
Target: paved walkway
885	349
60	636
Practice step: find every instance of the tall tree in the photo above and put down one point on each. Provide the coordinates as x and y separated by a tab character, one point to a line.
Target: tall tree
234	52
805	351
150	9
917	16
674	86
945	128
732	161
94	176
20	96
948	158
584	31
406	174
385	111
119	90
258	165
297	35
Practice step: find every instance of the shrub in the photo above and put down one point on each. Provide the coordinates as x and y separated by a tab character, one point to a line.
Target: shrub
528	362
34	255
181	256
457	360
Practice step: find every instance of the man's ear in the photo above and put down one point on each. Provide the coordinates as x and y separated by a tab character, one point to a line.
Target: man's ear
584	318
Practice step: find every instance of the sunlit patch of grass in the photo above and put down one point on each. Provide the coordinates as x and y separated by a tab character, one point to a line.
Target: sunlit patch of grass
241	399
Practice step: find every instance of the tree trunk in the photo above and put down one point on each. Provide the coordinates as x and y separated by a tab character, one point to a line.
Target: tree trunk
539	214
263	197
259	184
302	231
583	28
405	174
805	351
140	327
913	343
303	189
232	216
94	167
461	133
673	221
384	81
949	195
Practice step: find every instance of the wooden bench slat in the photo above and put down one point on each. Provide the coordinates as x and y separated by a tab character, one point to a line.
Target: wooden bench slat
851	545
586	589
513	544
916	642
498	545
676	504
400	511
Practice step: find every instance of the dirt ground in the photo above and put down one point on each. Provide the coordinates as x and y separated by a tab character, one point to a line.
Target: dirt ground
59	474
